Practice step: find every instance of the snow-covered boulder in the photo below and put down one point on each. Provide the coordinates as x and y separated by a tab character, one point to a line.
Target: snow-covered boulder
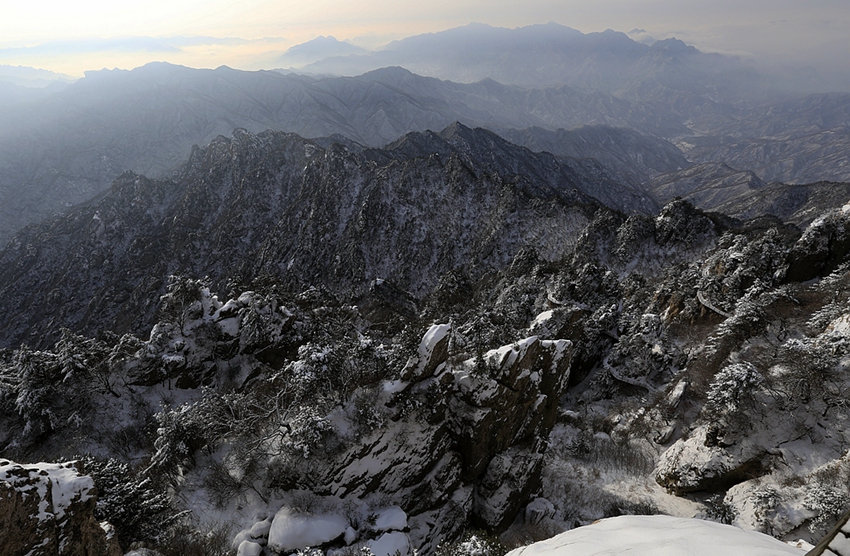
658	535
291	530
390	544
700	463
391	519
48	508
432	353
769	508
248	548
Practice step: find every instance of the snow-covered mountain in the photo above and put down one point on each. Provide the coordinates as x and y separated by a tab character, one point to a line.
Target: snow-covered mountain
337	330
442	345
70	146
284	207
317	49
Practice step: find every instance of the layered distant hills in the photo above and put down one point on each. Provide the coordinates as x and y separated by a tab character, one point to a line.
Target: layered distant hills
549	55
539	86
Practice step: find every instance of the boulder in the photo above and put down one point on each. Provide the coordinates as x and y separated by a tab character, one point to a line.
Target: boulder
700	463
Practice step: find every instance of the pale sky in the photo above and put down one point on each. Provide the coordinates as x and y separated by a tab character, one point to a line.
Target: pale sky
71	37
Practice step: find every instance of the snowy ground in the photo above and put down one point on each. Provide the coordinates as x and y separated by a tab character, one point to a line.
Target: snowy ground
658	536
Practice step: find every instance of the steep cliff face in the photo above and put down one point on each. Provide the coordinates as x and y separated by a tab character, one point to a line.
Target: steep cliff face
280	206
49	509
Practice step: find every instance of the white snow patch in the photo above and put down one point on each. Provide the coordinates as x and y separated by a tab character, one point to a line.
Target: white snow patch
389	544
434	335
248	548
393	386
840	545
391	519
67	485
657	535
291	530
840	326
506	356
261	529
229	326
675	396
542	318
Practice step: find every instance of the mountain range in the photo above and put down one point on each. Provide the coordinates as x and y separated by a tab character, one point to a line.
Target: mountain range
390	314
553	55
280	206
147	120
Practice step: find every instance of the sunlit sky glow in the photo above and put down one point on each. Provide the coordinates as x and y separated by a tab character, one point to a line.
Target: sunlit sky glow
71	37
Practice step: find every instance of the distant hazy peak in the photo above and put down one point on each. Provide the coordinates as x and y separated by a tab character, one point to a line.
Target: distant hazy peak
394	72
24	76
674	46
319	48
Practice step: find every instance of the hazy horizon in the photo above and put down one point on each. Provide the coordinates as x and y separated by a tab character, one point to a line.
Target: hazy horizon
95	34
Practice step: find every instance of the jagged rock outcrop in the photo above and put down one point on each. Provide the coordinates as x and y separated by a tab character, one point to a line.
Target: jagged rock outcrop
496	154
465	444
823	246
48	509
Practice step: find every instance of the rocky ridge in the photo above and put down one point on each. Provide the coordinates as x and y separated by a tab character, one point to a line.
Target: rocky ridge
280	206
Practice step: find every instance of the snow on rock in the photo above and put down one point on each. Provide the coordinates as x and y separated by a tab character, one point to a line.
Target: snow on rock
698	463
391	519
261	529
840	326
291	530
431	355
248	548
542	318
509	479
229	326
389	544
674	398
481	460
48	508
658	535
538	510
767	508
57	485
433	337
